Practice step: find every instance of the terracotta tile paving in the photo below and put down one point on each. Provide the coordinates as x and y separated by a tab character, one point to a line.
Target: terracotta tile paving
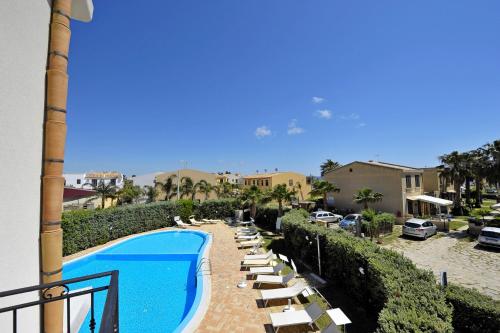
233	309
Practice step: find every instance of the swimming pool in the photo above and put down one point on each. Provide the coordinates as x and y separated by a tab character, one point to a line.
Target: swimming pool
159	288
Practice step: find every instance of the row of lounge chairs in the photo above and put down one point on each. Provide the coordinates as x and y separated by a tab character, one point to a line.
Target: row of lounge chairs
193	222
261	267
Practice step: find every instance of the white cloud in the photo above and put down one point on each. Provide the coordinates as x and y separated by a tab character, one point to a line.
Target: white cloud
293	129
360	125
262	131
326	114
317	100
352	116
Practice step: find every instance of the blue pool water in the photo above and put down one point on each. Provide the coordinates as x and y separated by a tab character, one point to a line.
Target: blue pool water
157	287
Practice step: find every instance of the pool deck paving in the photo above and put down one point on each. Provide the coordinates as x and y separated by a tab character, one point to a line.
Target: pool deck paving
233	309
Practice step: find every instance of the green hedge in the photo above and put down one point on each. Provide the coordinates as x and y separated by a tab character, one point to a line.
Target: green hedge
473	312
407	299
266	216
88	228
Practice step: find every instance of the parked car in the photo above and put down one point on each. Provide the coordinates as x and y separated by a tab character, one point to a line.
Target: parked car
349	221
323	216
491	191
419	228
489	236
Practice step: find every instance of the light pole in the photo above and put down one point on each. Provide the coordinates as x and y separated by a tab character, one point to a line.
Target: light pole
319	252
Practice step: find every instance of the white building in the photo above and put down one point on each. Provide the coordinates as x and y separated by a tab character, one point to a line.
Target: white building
91	179
24	36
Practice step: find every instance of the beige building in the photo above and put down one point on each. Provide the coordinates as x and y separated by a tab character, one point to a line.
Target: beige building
401	186
195	175
437	185
267	181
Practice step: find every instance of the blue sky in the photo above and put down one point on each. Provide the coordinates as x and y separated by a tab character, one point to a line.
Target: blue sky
264	84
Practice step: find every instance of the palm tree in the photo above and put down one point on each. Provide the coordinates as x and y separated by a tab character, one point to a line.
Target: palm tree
328	166
281	193
455	168
251	196
187	187
493	164
129	193
168	187
298	187
366	195
322	188
105	191
204	187
479	169
150	192
224	190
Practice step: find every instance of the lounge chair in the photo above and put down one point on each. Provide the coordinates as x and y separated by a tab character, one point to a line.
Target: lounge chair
180	224
258	256
211	221
194	221
243	238
258	262
250	243
308	316
283	293
267	269
283	257
274	279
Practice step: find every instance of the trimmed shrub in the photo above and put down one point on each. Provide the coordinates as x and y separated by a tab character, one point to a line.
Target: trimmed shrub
217	209
473	311
88	228
266	216
407	299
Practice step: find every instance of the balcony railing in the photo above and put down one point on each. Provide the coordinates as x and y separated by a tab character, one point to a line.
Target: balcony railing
109	318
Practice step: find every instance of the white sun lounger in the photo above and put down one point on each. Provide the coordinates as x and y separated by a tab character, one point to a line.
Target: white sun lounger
250	243
243	238
301	317
283	293
195	222
258	256
210	221
258	262
274	279
267	269
180	224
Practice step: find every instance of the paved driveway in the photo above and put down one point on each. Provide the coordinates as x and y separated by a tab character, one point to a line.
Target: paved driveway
466	263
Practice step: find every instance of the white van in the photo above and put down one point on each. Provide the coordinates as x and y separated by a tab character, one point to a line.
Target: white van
489	236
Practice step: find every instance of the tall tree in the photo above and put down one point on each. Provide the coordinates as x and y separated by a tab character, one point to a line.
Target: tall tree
224	190
204	187
298	188
493	164
322	188
281	194
128	193
105	191
479	168
169	187
187	188
328	166
150	193
251	197
455	168
366	195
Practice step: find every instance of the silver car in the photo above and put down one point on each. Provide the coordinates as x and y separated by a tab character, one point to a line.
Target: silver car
326	217
489	236
419	228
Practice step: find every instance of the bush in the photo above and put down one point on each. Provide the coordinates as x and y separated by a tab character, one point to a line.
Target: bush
266	216
88	228
217	209
473	312
388	285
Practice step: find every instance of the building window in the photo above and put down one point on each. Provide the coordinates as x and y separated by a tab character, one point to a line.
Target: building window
290	182
408	181
78	181
113	182
94	182
417	181
253	182
267	182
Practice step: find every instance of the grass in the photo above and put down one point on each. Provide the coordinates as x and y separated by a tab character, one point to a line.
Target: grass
456	224
397	231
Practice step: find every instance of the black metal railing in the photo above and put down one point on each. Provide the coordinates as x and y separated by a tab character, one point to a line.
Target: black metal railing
48	293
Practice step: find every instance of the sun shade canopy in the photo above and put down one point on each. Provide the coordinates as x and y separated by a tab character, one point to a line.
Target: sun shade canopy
433	200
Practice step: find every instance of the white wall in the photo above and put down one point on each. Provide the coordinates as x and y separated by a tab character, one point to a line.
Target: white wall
23	52
71	179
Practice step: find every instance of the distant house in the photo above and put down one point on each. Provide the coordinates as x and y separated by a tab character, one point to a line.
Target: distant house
437	185
402	187
195	175
231	178
292	180
91	179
